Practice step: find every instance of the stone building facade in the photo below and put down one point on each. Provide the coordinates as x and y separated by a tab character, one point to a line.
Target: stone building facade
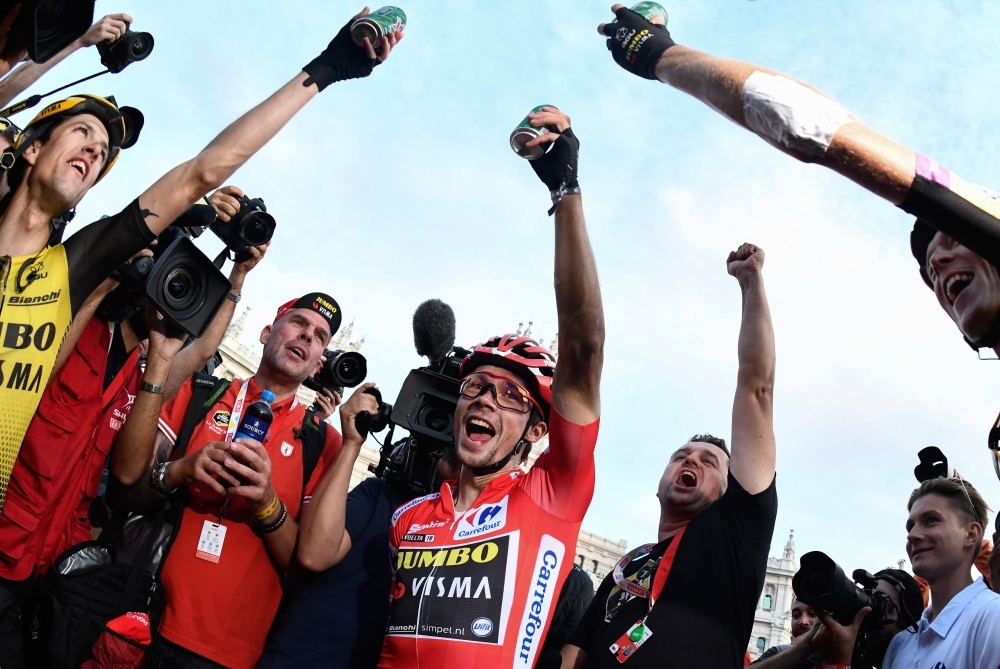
772	619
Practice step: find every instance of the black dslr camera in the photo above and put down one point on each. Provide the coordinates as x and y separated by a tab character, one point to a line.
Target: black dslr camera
183	284
822	584
125	50
251	226
341	369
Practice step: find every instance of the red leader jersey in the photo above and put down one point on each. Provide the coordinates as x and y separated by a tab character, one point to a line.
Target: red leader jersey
222	611
475	589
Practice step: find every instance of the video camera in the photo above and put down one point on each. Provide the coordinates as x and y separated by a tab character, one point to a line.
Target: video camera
341	369
425	406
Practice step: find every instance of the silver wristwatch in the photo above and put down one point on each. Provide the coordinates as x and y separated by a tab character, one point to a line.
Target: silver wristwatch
159	478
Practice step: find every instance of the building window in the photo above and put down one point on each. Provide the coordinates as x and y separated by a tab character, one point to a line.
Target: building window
581	561
595	565
767	602
761	642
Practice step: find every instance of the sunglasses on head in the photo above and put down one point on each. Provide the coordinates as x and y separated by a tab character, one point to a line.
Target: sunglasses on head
507	393
934	465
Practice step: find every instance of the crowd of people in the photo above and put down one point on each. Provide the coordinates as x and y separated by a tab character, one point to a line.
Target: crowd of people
140	527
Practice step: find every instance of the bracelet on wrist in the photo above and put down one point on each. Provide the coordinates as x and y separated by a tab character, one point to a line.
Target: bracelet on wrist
233	297
267	528
158	478
261	515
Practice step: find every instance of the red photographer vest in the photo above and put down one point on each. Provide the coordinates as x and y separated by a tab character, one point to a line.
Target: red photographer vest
60	463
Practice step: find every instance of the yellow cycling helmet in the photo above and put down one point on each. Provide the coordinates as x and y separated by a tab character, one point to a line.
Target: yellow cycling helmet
122	123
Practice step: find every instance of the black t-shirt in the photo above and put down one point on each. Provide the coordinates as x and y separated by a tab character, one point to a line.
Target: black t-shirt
704	615
339	619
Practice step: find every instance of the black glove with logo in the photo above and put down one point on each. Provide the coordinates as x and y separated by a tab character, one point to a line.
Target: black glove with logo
342	59
635	43
558	167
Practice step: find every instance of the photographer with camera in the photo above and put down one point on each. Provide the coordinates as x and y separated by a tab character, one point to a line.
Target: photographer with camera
60	155
822	642
241	497
689	600
57	478
499	540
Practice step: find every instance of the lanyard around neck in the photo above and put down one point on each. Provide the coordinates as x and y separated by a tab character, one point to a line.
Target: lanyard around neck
663	568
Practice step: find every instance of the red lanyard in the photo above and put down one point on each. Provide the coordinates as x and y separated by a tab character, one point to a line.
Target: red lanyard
659	579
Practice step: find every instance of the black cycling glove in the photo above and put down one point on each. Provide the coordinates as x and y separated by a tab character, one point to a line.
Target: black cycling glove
635	43
342	59
558	167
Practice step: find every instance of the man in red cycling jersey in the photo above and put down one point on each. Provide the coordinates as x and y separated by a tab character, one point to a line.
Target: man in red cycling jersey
479	564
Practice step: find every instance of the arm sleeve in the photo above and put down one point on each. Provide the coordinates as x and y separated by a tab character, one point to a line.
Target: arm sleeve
968	213
562	479
592	618
361	504
97	250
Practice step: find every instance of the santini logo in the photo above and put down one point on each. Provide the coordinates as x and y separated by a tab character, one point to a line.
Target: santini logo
543	591
481	520
482	626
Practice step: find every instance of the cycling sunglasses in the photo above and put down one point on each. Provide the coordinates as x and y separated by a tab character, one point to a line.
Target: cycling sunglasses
507	393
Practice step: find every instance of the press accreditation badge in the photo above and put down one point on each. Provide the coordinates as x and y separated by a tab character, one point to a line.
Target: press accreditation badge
210	542
630	641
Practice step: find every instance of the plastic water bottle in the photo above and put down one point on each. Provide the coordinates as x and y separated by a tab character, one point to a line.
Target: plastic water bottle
257	419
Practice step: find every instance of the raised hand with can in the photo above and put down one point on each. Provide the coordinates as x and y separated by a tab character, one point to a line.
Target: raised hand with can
556	167
346	58
638	37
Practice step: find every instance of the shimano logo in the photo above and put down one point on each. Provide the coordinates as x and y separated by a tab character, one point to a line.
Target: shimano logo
544	590
482	626
484	519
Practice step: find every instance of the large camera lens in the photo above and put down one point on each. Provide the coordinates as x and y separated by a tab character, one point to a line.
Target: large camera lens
349	368
181	287
437	420
139	46
257	229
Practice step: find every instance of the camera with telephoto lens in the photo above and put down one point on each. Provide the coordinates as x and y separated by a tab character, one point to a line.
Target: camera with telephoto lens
251	226
821	584
341	369
180	281
45	27
127	49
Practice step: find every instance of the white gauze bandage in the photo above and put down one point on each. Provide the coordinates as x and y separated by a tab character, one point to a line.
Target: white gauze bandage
789	115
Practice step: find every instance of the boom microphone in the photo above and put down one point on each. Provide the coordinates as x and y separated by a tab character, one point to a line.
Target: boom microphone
434	330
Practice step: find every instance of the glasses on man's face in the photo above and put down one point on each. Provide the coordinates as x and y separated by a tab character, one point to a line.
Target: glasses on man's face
507	393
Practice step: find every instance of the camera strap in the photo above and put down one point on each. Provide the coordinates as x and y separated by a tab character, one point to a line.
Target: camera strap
639	633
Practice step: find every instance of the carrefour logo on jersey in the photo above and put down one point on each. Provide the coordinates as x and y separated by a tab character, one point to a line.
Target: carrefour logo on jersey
543	591
483	519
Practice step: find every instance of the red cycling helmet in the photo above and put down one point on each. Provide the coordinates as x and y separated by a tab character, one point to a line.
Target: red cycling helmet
518	354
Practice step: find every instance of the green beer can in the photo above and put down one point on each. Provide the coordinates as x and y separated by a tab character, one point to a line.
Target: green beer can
378	24
651	11
525	132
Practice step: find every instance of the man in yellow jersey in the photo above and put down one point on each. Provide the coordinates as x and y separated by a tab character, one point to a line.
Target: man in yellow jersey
62	153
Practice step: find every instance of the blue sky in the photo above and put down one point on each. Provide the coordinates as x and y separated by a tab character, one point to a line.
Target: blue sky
402	187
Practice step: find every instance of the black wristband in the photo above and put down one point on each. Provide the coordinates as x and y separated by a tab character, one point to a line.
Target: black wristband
342	59
635	43
267	528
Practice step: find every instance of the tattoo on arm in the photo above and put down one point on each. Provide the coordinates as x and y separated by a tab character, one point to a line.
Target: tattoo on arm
146	213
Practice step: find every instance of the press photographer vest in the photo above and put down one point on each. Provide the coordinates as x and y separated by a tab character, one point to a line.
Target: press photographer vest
35	313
